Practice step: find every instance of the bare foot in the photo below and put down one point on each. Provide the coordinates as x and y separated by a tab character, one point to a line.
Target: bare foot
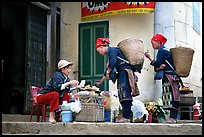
52	118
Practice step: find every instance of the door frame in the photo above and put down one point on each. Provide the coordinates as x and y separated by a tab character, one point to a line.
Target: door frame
92	39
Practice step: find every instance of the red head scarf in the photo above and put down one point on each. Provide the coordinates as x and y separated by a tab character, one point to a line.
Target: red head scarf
159	38
102	42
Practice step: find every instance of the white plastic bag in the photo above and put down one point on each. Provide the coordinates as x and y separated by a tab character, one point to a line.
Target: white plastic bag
76	107
139	110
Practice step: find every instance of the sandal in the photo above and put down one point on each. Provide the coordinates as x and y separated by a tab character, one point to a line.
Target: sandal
123	120
53	121
172	120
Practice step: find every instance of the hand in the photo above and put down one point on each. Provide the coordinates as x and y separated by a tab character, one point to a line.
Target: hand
97	83
74	82
146	53
78	86
162	66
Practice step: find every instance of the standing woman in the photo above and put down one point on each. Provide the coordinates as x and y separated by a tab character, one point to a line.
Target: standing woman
122	72
170	80
57	89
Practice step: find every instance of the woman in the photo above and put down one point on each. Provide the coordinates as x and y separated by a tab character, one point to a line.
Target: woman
57	89
170	80
118	70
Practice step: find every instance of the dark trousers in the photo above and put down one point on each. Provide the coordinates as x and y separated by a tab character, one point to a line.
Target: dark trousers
174	112
126	104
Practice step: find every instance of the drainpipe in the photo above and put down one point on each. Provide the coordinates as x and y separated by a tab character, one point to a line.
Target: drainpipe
48	59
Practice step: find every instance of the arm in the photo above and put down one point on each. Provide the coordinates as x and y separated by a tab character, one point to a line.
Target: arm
147	55
112	58
101	81
159	62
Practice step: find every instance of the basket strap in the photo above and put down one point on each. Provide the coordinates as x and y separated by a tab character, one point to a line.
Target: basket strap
169	64
123	60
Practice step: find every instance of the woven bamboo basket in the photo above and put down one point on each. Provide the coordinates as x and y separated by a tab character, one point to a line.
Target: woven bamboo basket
182	58
90	112
133	50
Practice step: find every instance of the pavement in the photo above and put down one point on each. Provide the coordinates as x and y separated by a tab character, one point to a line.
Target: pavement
20	125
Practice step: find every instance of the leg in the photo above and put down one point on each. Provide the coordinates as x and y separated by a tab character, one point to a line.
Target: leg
174	112
44	108
31	112
126	111
38	112
127	108
66	96
52	99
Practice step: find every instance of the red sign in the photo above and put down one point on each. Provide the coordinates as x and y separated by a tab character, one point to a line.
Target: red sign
95	10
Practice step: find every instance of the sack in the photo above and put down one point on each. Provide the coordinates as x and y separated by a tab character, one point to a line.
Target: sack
159	75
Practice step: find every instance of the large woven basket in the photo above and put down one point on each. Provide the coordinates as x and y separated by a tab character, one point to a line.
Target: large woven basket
182	58
90	112
133	50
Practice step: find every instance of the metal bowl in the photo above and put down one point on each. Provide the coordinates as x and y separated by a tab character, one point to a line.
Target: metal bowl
187	100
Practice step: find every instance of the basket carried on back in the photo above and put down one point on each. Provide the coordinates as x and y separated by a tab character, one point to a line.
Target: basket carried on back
182	58
133	50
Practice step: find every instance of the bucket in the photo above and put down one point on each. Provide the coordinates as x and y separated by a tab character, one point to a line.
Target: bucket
182	58
107	115
133	50
67	116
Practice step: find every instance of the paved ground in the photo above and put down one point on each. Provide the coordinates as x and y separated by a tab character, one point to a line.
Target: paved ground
20	125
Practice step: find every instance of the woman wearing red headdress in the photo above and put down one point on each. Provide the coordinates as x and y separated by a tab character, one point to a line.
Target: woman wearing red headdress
170	80
121	71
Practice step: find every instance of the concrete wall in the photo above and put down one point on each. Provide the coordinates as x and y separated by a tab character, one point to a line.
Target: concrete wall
166	19
120	28
71	16
187	36
175	21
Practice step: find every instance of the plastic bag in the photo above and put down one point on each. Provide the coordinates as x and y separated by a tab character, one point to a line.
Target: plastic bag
138	109
76	107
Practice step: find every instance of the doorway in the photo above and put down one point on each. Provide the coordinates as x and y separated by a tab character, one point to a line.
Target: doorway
24	57
91	64
13	57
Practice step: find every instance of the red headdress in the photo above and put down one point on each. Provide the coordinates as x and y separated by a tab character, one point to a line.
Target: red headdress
102	42
159	38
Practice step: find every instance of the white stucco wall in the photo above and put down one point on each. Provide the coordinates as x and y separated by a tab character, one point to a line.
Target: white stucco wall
120	28
187	36
175	21
141	26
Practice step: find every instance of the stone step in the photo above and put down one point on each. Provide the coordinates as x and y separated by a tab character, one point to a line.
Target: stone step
20	125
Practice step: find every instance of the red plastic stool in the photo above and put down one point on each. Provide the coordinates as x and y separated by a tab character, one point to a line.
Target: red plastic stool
41	108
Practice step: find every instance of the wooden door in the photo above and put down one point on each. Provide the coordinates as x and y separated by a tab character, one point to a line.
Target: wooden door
91	64
36	42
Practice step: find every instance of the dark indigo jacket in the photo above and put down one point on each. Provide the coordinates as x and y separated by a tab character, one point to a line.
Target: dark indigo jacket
113	52
55	84
162	55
